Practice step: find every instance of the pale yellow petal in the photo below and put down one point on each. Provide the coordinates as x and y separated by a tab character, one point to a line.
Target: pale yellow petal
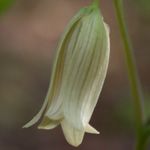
90	129
99	80
86	73
73	136
56	76
54	110
48	123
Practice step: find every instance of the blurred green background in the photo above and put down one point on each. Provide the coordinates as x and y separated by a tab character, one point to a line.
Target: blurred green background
29	34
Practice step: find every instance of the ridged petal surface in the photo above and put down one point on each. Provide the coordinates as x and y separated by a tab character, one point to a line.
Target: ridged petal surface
86	72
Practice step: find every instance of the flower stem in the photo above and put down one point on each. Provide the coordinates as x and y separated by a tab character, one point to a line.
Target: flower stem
95	2
133	75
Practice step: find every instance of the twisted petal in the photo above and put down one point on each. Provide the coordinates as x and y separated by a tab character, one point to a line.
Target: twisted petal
57	72
67	50
86	76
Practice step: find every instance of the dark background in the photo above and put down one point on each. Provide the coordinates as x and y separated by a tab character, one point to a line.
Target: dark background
29	33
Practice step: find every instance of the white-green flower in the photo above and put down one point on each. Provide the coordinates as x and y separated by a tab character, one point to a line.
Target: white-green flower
78	75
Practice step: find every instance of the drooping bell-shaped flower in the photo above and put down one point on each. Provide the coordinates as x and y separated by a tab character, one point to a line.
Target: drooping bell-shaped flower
78	74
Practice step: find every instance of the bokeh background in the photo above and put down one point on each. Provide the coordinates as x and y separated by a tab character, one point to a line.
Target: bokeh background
29	33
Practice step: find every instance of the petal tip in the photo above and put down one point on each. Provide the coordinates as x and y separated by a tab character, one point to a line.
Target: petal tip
74	143
90	129
72	135
44	127
26	126
40	127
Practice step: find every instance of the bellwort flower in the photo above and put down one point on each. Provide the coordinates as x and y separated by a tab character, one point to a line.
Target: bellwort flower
78	74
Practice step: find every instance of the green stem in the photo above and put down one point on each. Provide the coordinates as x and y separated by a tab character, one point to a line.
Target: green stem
133	75
95	2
